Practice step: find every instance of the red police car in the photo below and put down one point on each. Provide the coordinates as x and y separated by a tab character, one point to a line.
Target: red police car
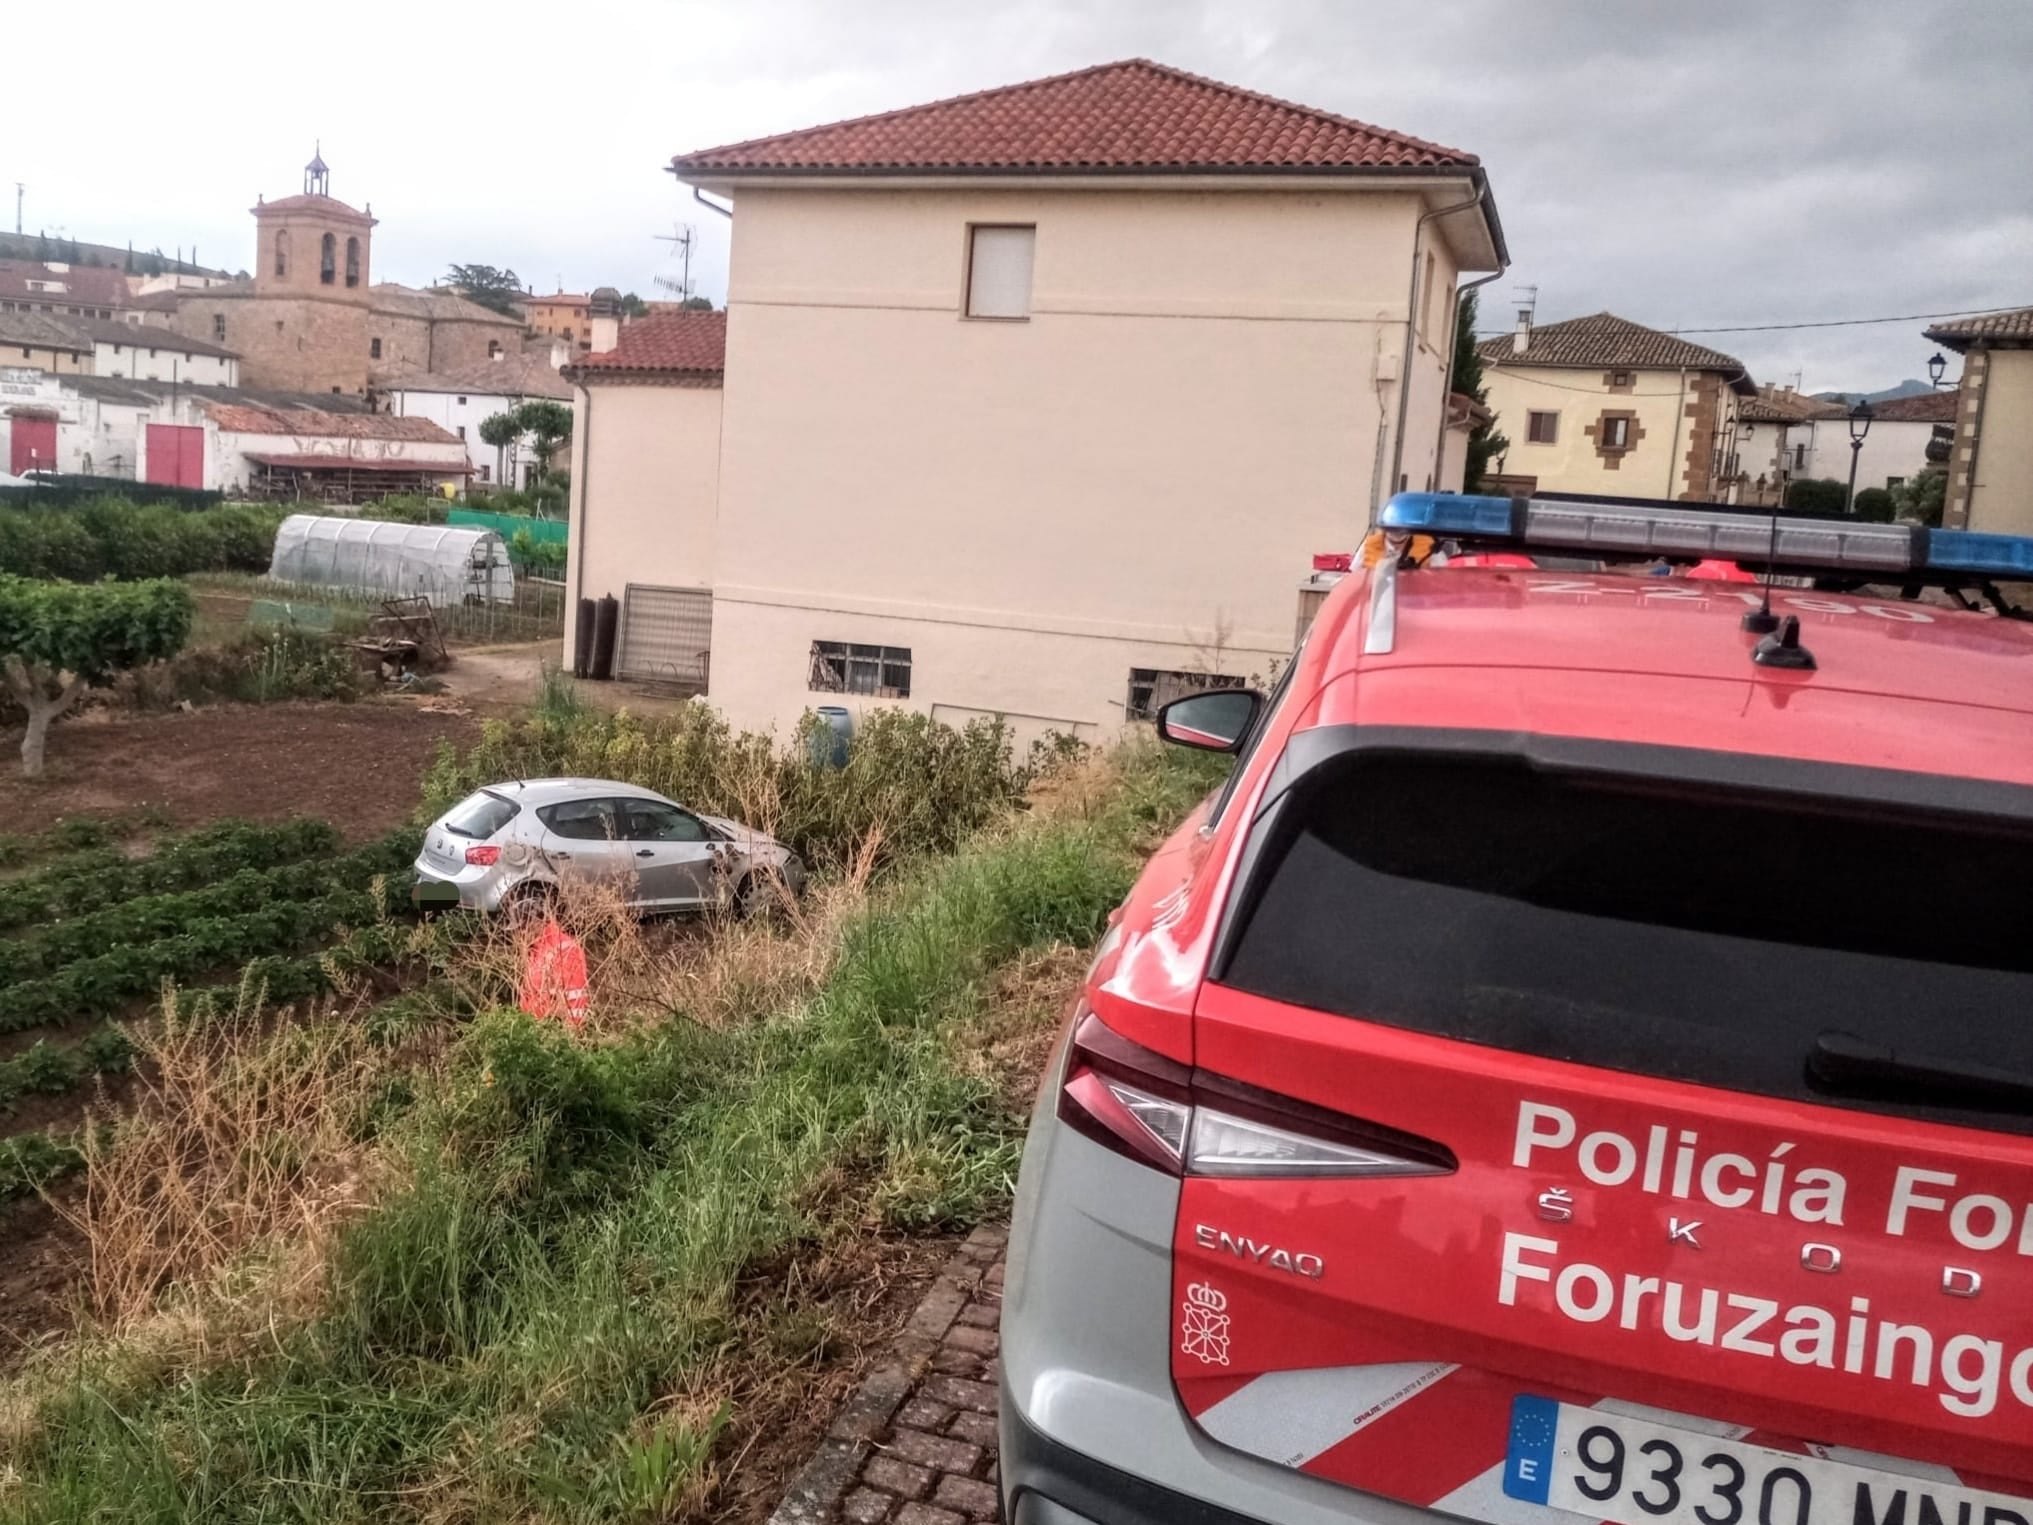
1580	1064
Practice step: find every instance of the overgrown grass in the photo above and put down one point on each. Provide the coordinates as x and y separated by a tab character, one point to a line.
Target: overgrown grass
529	1322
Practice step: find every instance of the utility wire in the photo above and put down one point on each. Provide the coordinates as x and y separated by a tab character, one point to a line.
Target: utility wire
1766	328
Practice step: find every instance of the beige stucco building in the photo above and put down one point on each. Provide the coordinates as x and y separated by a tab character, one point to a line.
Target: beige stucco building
1603	405
1036	398
1990	465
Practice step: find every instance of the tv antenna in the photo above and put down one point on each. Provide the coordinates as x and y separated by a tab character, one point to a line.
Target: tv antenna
681	238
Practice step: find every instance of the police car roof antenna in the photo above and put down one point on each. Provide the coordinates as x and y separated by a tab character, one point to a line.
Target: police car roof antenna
1761	620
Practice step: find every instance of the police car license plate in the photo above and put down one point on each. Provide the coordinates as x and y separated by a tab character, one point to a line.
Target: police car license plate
1608	1466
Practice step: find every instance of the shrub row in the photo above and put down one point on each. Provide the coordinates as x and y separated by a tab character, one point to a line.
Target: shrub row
153	917
50	1069
103	984
113	537
256	667
102	877
78	834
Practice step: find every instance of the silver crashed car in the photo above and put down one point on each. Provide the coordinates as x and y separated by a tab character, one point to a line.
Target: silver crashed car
511	844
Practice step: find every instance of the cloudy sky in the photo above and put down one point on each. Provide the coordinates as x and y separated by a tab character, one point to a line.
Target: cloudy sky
1690	166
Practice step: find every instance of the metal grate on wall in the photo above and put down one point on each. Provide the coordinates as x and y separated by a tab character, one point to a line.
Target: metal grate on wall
666	635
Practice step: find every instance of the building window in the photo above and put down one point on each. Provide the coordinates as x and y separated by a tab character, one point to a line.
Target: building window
462	402
1895	482
1619	378
484	475
218	328
1616	434
116	350
999	270
1152	688
352	262
328	260
1542	428
883	672
462	431
282	251
493	349
278	325
373	349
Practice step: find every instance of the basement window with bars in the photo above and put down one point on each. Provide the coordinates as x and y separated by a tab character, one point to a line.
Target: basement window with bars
1152	688
842	667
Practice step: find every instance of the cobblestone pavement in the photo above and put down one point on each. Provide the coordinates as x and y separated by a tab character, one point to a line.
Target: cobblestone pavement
915	1444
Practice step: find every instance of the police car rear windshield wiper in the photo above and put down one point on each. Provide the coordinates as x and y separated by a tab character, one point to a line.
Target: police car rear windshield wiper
1843	1064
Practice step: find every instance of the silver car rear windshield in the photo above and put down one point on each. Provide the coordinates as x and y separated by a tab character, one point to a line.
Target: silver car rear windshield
1720	930
480	815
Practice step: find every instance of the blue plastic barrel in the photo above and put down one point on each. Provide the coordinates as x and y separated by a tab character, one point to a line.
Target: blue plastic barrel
829	741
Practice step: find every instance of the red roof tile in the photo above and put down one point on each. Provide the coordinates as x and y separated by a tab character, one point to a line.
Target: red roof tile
673	344
2009	328
1134	115
1920	408
328	205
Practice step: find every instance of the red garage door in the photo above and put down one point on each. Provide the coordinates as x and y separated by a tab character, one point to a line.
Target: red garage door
34	445
176	455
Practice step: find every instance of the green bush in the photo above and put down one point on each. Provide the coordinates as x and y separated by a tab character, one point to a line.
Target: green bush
1816	495
113	537
255	667
1921	499
30	1161
1875	505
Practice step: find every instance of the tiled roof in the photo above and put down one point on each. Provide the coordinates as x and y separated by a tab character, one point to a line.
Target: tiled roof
528	375
2013	328
1920	408
148	336
1607	341
1119	117
85	285
1786	408
672	344
241	418
41	330
328	206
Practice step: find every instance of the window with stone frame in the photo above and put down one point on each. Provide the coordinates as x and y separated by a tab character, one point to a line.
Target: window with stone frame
282	251
218	328
1615	432
328	260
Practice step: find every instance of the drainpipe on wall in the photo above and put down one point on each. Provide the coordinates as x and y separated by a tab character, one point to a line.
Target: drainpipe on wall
1411	333
1447	372
1679	413
580	485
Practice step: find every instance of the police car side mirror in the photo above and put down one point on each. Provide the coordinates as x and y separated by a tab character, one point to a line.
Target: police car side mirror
1215	721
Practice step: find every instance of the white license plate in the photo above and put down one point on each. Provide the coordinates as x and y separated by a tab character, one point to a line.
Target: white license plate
1610	1466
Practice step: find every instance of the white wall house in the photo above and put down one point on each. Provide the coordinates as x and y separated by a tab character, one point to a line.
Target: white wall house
459	401
149	354
1894	448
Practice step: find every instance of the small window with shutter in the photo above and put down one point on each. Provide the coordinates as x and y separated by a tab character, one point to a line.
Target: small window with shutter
999	270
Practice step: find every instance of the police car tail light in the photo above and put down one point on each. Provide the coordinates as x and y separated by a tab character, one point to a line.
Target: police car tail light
483	857
1226	1145
1158	1112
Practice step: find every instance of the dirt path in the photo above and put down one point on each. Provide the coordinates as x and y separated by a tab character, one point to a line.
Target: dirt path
359	766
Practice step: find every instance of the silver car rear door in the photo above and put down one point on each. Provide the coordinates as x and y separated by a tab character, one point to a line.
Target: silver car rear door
582	838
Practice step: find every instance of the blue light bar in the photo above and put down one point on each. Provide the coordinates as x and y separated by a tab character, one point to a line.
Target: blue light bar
1604	527
1447	514
1980	555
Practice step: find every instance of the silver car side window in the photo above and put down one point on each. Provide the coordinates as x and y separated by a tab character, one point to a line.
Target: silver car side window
579	820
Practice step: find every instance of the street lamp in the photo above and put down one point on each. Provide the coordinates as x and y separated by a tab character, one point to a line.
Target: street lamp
1859	426
1935	367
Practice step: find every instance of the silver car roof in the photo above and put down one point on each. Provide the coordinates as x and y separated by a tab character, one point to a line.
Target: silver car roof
549	791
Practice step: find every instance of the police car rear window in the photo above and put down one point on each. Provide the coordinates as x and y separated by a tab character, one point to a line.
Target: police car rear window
1681	932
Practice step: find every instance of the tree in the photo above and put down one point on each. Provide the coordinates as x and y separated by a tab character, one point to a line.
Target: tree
1874	504
1824	496
484	286
500	430
58	639
633	306
1919	500
1484	442
549	425
696	304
